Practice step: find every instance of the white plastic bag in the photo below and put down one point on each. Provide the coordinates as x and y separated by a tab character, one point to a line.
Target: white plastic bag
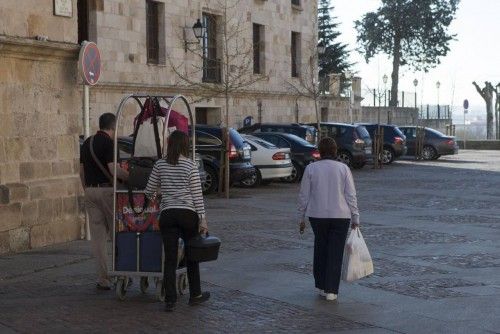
357	261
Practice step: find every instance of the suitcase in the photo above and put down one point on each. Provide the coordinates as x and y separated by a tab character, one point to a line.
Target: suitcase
126	251
150	246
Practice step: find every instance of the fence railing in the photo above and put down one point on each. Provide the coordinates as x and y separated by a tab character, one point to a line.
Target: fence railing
375	98
435	112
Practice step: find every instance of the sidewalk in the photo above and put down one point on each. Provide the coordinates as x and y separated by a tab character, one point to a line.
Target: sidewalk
435	248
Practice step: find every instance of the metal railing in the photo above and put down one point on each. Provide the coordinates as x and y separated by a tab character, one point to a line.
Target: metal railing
211	70
375	98
435	112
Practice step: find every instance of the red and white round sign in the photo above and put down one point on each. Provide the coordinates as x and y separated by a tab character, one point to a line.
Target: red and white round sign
89	63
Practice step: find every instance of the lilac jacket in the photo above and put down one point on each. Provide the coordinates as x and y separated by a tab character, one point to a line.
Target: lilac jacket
327	191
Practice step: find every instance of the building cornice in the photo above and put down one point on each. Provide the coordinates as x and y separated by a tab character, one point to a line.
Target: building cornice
175	89
31	49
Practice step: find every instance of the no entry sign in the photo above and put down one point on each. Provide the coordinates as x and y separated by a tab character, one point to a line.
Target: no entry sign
89	63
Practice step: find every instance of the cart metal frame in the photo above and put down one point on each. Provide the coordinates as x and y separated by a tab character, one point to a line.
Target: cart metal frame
124	276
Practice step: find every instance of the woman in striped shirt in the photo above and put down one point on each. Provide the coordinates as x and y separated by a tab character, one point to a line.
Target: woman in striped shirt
182	213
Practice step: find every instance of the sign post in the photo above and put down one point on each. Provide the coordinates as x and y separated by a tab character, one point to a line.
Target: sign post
466	107
89	67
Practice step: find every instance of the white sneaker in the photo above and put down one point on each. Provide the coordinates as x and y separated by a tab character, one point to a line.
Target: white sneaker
331	296
322	293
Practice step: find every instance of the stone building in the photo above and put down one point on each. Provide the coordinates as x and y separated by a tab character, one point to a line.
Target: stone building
141	43
39	126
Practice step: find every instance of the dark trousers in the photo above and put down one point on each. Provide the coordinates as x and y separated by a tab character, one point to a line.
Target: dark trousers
329	241
175	224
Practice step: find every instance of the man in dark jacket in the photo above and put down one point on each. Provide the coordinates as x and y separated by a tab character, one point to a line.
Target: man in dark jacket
96	170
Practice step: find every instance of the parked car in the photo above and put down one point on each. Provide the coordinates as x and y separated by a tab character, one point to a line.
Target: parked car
125	144
209	146
302	152
436	143
394	141
354	144
270	161
303	131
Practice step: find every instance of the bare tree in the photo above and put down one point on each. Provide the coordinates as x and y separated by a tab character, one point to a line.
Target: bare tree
487	94
232	70
497	110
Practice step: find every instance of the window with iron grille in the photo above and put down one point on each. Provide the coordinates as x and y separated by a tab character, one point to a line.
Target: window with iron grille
211	64
295	53
258	40
155	32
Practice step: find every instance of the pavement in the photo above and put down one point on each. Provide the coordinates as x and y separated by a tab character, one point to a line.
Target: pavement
433	229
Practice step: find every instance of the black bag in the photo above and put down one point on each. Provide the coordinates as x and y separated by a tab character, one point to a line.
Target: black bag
139	170
203	249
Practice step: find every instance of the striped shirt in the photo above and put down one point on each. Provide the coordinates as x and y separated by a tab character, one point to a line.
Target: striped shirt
179	185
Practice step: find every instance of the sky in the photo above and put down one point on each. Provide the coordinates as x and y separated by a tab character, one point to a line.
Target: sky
474	56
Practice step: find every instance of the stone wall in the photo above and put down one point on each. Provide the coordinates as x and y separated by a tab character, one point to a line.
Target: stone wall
40	122
31	18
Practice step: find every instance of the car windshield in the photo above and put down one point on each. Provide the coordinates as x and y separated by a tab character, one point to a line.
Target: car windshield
435	132
399	132
299	140
362	132
261	142
236	139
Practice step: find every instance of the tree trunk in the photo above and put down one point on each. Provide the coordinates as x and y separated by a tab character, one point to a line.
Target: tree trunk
228	148
396	61
489	119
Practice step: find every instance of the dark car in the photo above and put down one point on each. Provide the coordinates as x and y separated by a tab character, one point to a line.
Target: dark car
209	146
307	132
302	152
394	141
436	143
354	144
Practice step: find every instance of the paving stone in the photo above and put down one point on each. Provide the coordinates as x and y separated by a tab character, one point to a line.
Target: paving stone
485	221
466	261
425	289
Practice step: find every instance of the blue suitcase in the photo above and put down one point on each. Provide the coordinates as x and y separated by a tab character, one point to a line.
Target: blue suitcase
126	251
150	246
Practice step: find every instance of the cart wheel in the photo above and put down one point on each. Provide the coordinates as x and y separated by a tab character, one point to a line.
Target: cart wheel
160	290
144	284
121	288
182	284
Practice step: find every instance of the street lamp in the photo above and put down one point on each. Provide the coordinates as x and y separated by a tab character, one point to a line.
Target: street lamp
415	83
348	77
438	84
321	48
384	79
199	32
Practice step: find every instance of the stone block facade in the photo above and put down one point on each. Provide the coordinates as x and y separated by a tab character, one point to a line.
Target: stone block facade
121	35
40	114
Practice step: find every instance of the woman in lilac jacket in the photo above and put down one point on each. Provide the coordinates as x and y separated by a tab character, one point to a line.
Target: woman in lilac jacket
328	198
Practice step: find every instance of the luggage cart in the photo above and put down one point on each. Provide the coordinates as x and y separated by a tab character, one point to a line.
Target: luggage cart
139	254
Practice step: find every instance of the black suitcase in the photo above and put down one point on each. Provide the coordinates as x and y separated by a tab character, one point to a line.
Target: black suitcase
203	249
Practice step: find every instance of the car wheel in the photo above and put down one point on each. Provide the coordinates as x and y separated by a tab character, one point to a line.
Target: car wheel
296	174
211	181
387	155
252	181
429	152
345	157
